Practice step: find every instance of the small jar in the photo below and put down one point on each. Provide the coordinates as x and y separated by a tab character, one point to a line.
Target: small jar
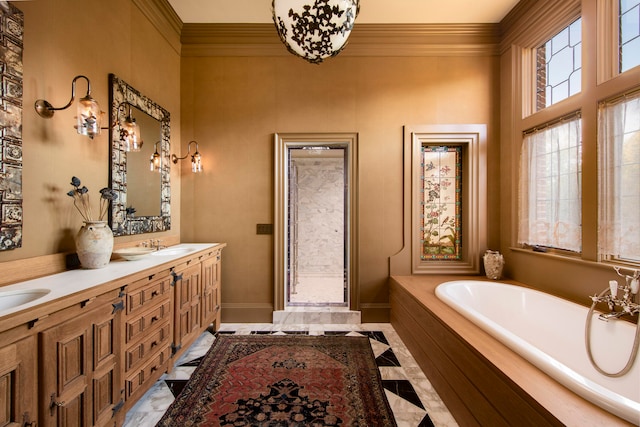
493	264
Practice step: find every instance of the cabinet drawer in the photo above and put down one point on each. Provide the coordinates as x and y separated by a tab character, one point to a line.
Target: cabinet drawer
143	378
144	323
146	292
152	343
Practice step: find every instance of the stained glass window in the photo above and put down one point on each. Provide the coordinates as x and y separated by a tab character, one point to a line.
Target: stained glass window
441	202
559	66
629	34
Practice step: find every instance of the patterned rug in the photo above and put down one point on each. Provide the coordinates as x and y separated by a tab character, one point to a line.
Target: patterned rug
282	381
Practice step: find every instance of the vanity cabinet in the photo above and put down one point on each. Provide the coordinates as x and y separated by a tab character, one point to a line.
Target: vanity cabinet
187	283
211	273
197	298
85	359
147	332
18	383
79	365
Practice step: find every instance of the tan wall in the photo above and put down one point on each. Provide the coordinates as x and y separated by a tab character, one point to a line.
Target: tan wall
62	39
233	105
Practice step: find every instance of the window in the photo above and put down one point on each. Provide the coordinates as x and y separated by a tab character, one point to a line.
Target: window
580	200
448	197
619	178
550	186
559	66
629	34
441	202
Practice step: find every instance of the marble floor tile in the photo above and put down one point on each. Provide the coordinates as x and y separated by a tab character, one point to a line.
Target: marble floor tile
411	396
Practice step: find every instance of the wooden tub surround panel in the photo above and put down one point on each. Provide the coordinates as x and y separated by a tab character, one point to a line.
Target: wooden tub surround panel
482	382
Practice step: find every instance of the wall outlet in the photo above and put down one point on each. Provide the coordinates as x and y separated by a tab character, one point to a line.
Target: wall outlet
264	228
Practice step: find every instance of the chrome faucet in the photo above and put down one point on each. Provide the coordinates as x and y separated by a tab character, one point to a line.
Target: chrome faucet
626	302
158	246
154	244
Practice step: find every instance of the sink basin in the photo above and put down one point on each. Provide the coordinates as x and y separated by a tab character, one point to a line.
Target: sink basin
11	299
172	251
135	253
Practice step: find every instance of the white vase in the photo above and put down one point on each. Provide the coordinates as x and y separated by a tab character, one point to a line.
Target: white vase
493	264
94	244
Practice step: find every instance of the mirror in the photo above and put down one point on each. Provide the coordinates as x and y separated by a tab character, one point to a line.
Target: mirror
143	186
143	202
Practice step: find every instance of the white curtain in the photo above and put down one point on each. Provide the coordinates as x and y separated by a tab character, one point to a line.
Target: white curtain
619	179
550	211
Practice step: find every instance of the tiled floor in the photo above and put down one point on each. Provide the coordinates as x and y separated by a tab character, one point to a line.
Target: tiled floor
412	398
314	290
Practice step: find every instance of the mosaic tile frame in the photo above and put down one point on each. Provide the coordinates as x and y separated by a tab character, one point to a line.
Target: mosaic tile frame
121	223
11	47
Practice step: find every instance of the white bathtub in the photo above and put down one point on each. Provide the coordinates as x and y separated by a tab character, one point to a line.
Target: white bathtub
549	332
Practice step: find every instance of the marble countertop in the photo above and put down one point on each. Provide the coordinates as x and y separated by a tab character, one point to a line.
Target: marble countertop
68	283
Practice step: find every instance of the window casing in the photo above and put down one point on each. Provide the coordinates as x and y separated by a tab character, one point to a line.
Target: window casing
469	144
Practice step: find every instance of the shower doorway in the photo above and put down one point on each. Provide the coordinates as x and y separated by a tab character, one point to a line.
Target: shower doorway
315	212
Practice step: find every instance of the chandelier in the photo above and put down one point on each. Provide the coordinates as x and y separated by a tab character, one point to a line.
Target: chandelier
314	29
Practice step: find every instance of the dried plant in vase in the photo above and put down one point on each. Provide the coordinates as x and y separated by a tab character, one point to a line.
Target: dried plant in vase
94	241
82	203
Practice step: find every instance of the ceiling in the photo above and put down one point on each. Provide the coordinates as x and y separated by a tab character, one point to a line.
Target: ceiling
371	11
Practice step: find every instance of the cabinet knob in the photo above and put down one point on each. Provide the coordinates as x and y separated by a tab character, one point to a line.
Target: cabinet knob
154	294
26	422
154	319
54	404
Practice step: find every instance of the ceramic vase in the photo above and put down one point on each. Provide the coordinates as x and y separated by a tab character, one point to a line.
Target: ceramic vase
94	244
493	264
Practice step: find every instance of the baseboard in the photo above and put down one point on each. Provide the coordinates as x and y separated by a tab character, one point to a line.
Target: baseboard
247	312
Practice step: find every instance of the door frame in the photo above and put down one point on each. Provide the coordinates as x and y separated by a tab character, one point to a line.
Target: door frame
283	142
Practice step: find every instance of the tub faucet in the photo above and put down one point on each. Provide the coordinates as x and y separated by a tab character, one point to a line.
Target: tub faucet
626	301
611	315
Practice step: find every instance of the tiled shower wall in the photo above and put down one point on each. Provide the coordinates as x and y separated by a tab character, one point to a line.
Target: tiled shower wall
320	217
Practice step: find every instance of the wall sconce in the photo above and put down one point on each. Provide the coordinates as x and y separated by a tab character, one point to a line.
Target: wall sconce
315	29
89	114
155	162
196	159
129	131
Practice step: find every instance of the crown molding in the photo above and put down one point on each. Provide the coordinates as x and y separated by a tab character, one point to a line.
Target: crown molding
164	19
365	40
532	22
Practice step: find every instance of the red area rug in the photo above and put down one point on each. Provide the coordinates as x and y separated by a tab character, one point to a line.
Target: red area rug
278	381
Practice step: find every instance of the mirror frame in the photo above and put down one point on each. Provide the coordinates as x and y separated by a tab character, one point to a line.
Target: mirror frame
120	92
11	45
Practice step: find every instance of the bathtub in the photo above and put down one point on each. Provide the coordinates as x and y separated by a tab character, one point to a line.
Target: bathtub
549	332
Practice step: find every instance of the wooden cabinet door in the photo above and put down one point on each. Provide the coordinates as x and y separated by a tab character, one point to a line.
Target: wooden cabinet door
211	291
80	369
188	295
18	383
